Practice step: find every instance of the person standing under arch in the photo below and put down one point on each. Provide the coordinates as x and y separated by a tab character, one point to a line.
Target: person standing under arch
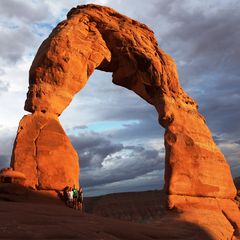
80	199
75	196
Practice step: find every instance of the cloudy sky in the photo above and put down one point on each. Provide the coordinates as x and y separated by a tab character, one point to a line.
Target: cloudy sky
114	131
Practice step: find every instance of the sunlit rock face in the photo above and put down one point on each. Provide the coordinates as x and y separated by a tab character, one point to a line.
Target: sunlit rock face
96	37
44	153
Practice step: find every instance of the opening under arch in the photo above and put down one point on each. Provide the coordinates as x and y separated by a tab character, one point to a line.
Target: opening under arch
117	137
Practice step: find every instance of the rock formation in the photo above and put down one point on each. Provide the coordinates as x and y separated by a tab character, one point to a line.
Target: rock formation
43	152
96	37
8	175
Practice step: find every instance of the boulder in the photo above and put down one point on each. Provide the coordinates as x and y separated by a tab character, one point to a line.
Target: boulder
8	175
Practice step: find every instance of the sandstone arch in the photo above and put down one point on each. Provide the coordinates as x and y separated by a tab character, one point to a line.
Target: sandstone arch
95	37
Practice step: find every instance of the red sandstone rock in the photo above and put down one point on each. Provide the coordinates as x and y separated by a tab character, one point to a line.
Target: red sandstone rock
9	172
43	152
224	212
8	175
98	37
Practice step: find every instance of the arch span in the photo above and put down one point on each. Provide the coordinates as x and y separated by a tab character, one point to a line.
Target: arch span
96	37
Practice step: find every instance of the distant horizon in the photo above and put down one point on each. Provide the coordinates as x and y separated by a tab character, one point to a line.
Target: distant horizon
114	131
113	193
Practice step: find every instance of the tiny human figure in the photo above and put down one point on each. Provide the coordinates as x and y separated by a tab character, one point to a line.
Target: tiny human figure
70	197
65	194
80	199
75	196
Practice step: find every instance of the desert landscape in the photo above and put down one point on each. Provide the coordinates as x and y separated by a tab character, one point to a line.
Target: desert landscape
199	200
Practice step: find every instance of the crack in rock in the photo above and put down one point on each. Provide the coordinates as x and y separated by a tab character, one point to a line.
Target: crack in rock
236	233
35	154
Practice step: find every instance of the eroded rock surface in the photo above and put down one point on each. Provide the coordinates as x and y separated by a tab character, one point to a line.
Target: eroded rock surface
96	37
44	153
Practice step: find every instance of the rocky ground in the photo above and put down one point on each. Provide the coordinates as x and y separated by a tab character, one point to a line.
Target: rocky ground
27	214
140	207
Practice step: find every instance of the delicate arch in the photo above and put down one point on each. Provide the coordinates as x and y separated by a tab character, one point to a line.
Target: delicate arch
98	37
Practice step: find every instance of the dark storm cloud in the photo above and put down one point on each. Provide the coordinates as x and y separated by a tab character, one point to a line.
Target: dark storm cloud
222	114
103	161
93	148
80	127
204	41
207	41
218	139
134	165
238	142
150	181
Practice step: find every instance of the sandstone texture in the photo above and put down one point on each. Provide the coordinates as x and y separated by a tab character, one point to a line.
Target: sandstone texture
45	155
139	207
97	37
8	175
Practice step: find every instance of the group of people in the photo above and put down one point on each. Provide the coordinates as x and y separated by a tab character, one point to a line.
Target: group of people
74	197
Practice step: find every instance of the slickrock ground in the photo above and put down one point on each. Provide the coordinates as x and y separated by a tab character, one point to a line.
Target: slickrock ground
150	207
40	215
140	207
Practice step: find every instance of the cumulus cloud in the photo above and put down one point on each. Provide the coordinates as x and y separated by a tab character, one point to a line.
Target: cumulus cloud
203	39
